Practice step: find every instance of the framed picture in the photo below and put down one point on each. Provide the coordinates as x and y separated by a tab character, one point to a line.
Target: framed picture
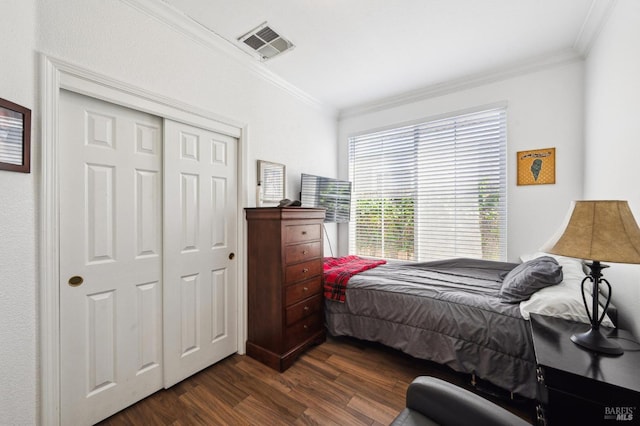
537	167
272	177
15	137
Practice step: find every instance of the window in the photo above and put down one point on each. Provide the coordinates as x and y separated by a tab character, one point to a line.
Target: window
431	190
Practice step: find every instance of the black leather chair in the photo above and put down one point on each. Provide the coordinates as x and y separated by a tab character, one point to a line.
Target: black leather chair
432	401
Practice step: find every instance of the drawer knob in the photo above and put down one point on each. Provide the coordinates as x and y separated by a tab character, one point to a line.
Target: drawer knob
305	289
306	308
304	252
304	232
305	326
305	270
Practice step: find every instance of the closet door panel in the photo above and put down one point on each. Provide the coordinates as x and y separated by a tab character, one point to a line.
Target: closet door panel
110	257
200	229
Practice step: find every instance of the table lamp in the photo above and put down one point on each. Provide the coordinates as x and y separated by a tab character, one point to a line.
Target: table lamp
600	231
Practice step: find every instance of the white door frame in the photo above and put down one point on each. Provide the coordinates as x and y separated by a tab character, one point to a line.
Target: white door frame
55	76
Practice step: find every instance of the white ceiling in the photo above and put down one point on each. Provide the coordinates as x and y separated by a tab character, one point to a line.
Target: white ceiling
352	52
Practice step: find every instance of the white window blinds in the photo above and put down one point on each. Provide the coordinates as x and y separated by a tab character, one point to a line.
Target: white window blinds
432	190
11	138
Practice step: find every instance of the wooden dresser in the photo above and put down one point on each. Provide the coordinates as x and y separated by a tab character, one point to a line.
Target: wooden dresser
284	283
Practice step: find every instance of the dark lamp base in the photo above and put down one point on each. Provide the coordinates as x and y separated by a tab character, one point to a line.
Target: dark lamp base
596	342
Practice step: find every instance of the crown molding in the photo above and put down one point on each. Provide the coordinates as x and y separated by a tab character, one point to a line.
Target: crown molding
187	26
595	20
558	58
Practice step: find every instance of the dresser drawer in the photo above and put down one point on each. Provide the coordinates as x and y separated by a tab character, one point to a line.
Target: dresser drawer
303	309
302	330
300	233
302	271
297	292
301	252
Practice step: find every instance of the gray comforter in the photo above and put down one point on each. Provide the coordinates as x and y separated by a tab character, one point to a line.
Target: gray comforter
444	311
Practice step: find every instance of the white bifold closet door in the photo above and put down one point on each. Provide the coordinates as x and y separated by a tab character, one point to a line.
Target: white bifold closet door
147	286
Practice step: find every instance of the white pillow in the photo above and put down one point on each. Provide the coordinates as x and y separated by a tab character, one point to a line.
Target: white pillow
562	300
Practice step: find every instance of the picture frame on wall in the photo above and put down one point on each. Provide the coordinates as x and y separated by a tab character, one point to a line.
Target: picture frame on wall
537	166
15	137
273	179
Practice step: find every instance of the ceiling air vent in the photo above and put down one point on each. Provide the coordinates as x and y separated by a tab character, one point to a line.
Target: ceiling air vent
265	42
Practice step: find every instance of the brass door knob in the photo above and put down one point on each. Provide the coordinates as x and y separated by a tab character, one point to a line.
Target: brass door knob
75	281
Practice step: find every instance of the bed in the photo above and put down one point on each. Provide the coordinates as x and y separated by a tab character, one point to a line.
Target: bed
452	312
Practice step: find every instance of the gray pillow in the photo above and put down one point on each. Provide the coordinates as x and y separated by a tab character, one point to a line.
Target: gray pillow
528	277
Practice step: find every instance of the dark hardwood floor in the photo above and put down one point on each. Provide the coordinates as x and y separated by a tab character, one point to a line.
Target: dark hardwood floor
341	382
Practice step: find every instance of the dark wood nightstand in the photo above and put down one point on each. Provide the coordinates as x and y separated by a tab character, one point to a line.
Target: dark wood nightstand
580	387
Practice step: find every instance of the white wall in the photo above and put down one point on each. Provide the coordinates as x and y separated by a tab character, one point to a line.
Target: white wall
18	286
118	41
612	99
544	110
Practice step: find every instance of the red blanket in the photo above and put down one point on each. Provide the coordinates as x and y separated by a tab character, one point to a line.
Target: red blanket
338	271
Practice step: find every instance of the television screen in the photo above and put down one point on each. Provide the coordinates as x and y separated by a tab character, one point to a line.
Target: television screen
332	194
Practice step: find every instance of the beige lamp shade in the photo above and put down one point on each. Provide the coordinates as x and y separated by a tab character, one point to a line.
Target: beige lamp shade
598	230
